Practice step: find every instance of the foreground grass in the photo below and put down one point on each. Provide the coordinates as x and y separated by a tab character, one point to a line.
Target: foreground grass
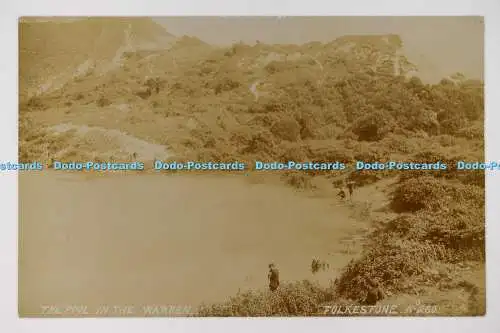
291	299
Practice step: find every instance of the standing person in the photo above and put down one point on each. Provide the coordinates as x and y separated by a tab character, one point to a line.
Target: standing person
350	187
274	277
374	294
341	194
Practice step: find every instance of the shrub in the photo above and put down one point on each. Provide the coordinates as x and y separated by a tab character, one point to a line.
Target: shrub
475	131
328	151
398	144
370	153
428	156
34	103
154	84
260	142
307	125
278	66
103	102
459	230
286	128
226	84
298	179
472	177
424	120
451	122
467	195
365	177
419	193
390	261
291	299
291	152
447	140
373	126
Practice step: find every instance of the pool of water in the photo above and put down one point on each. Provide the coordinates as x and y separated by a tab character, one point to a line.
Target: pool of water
166	239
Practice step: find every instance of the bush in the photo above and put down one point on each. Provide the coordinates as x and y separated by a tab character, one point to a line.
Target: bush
226	84
328	151
278	66
460	230
286	128
451	122
390	261
373	126
371	153
34	103
398	144
472	177
291	152
447	140
365	177
424	120
475	131
291	299
103	102
298	179
467	195
259	142
154	84
307	124
419	193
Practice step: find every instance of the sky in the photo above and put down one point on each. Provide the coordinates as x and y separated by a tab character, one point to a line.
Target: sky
439	46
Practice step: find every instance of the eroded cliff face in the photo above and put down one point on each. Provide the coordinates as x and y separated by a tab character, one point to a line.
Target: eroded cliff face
53	52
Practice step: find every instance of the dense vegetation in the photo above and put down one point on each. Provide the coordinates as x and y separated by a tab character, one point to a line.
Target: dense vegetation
342	109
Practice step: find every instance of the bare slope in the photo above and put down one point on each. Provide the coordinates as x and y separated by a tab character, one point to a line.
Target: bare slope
50	51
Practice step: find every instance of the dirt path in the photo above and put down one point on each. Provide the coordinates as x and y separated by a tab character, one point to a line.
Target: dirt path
170	239
114	141
254	91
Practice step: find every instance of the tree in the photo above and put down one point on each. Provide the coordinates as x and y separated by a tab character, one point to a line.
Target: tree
373	126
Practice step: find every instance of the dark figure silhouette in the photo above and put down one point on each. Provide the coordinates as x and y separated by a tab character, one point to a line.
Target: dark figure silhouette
341	194
350	187
274	277
374	294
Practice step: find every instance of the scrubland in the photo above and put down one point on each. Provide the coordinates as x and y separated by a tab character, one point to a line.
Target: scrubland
351	99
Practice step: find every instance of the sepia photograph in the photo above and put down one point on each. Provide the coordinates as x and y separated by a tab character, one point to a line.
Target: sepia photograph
251	166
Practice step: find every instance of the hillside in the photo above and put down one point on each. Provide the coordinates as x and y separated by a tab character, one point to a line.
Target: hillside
354	98
51	52
192	94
